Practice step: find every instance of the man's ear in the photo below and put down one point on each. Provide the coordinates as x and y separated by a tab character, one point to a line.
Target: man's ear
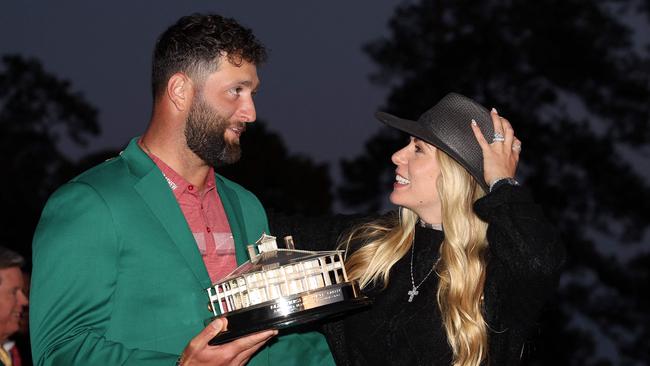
179	91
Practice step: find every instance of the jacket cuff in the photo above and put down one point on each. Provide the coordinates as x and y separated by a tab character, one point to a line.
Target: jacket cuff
504	195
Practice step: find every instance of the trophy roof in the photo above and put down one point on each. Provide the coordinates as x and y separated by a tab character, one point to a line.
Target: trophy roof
266	256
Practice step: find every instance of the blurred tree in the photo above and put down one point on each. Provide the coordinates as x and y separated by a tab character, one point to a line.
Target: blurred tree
37	110
567	75
288	184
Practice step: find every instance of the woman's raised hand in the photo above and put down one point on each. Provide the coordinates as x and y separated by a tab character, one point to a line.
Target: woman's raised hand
501	154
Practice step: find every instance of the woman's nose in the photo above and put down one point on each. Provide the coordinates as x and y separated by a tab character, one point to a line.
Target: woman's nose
398	157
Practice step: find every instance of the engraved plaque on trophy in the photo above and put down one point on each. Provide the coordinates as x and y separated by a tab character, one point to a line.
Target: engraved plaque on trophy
279	288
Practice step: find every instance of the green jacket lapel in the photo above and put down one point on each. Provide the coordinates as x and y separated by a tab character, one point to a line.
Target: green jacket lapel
232	206
155	192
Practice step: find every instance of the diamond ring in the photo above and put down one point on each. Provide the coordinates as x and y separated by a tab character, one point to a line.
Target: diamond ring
498	137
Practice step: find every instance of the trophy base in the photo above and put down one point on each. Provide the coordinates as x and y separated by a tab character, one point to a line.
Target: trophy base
291	311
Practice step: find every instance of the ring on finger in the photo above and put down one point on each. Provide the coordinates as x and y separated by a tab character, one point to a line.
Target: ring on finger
516	147
498	137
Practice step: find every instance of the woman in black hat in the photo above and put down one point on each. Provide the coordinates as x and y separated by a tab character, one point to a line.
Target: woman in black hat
459	274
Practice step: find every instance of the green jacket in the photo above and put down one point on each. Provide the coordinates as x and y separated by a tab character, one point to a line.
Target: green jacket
118	278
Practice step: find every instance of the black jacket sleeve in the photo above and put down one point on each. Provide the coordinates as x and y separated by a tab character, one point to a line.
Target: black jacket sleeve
525	256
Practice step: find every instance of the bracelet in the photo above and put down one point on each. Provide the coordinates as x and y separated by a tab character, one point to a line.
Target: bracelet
501	181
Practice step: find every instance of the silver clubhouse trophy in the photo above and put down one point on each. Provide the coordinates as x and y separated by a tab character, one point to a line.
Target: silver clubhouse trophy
279	288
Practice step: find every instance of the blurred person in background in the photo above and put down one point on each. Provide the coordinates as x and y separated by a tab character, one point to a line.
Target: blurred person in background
13	301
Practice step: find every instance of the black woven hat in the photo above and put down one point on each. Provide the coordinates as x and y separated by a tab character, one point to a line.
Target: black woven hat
447	126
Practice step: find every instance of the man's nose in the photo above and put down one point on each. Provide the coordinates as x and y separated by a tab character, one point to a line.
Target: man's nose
247	111
22	298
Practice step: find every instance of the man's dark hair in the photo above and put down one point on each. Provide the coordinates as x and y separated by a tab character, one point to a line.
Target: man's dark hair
9	259
194	44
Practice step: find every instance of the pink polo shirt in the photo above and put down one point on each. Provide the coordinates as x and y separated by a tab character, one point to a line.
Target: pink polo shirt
206	218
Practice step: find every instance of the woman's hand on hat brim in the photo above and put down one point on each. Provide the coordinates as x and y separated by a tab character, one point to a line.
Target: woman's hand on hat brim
500	158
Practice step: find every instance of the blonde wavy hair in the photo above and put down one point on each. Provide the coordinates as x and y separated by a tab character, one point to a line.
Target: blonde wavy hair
461	268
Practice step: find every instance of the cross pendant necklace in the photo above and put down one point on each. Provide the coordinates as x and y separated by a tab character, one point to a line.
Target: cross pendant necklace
412	293
414	290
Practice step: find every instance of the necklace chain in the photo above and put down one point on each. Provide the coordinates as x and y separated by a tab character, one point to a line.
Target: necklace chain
414	290
426	225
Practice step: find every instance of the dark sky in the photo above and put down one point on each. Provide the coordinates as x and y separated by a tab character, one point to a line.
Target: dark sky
315	90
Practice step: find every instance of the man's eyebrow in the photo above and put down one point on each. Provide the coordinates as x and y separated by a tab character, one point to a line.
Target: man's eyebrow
248	83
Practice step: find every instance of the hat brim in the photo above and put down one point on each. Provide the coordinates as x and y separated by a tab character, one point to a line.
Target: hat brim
419	130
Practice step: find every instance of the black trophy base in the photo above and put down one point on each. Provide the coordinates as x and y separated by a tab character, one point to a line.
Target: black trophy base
291	311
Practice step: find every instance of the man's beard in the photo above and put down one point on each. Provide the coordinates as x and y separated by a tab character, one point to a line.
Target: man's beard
205	135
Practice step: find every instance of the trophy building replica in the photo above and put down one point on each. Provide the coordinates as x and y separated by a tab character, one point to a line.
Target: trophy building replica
278	288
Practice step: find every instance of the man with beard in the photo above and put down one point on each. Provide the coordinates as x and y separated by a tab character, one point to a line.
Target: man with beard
124	252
